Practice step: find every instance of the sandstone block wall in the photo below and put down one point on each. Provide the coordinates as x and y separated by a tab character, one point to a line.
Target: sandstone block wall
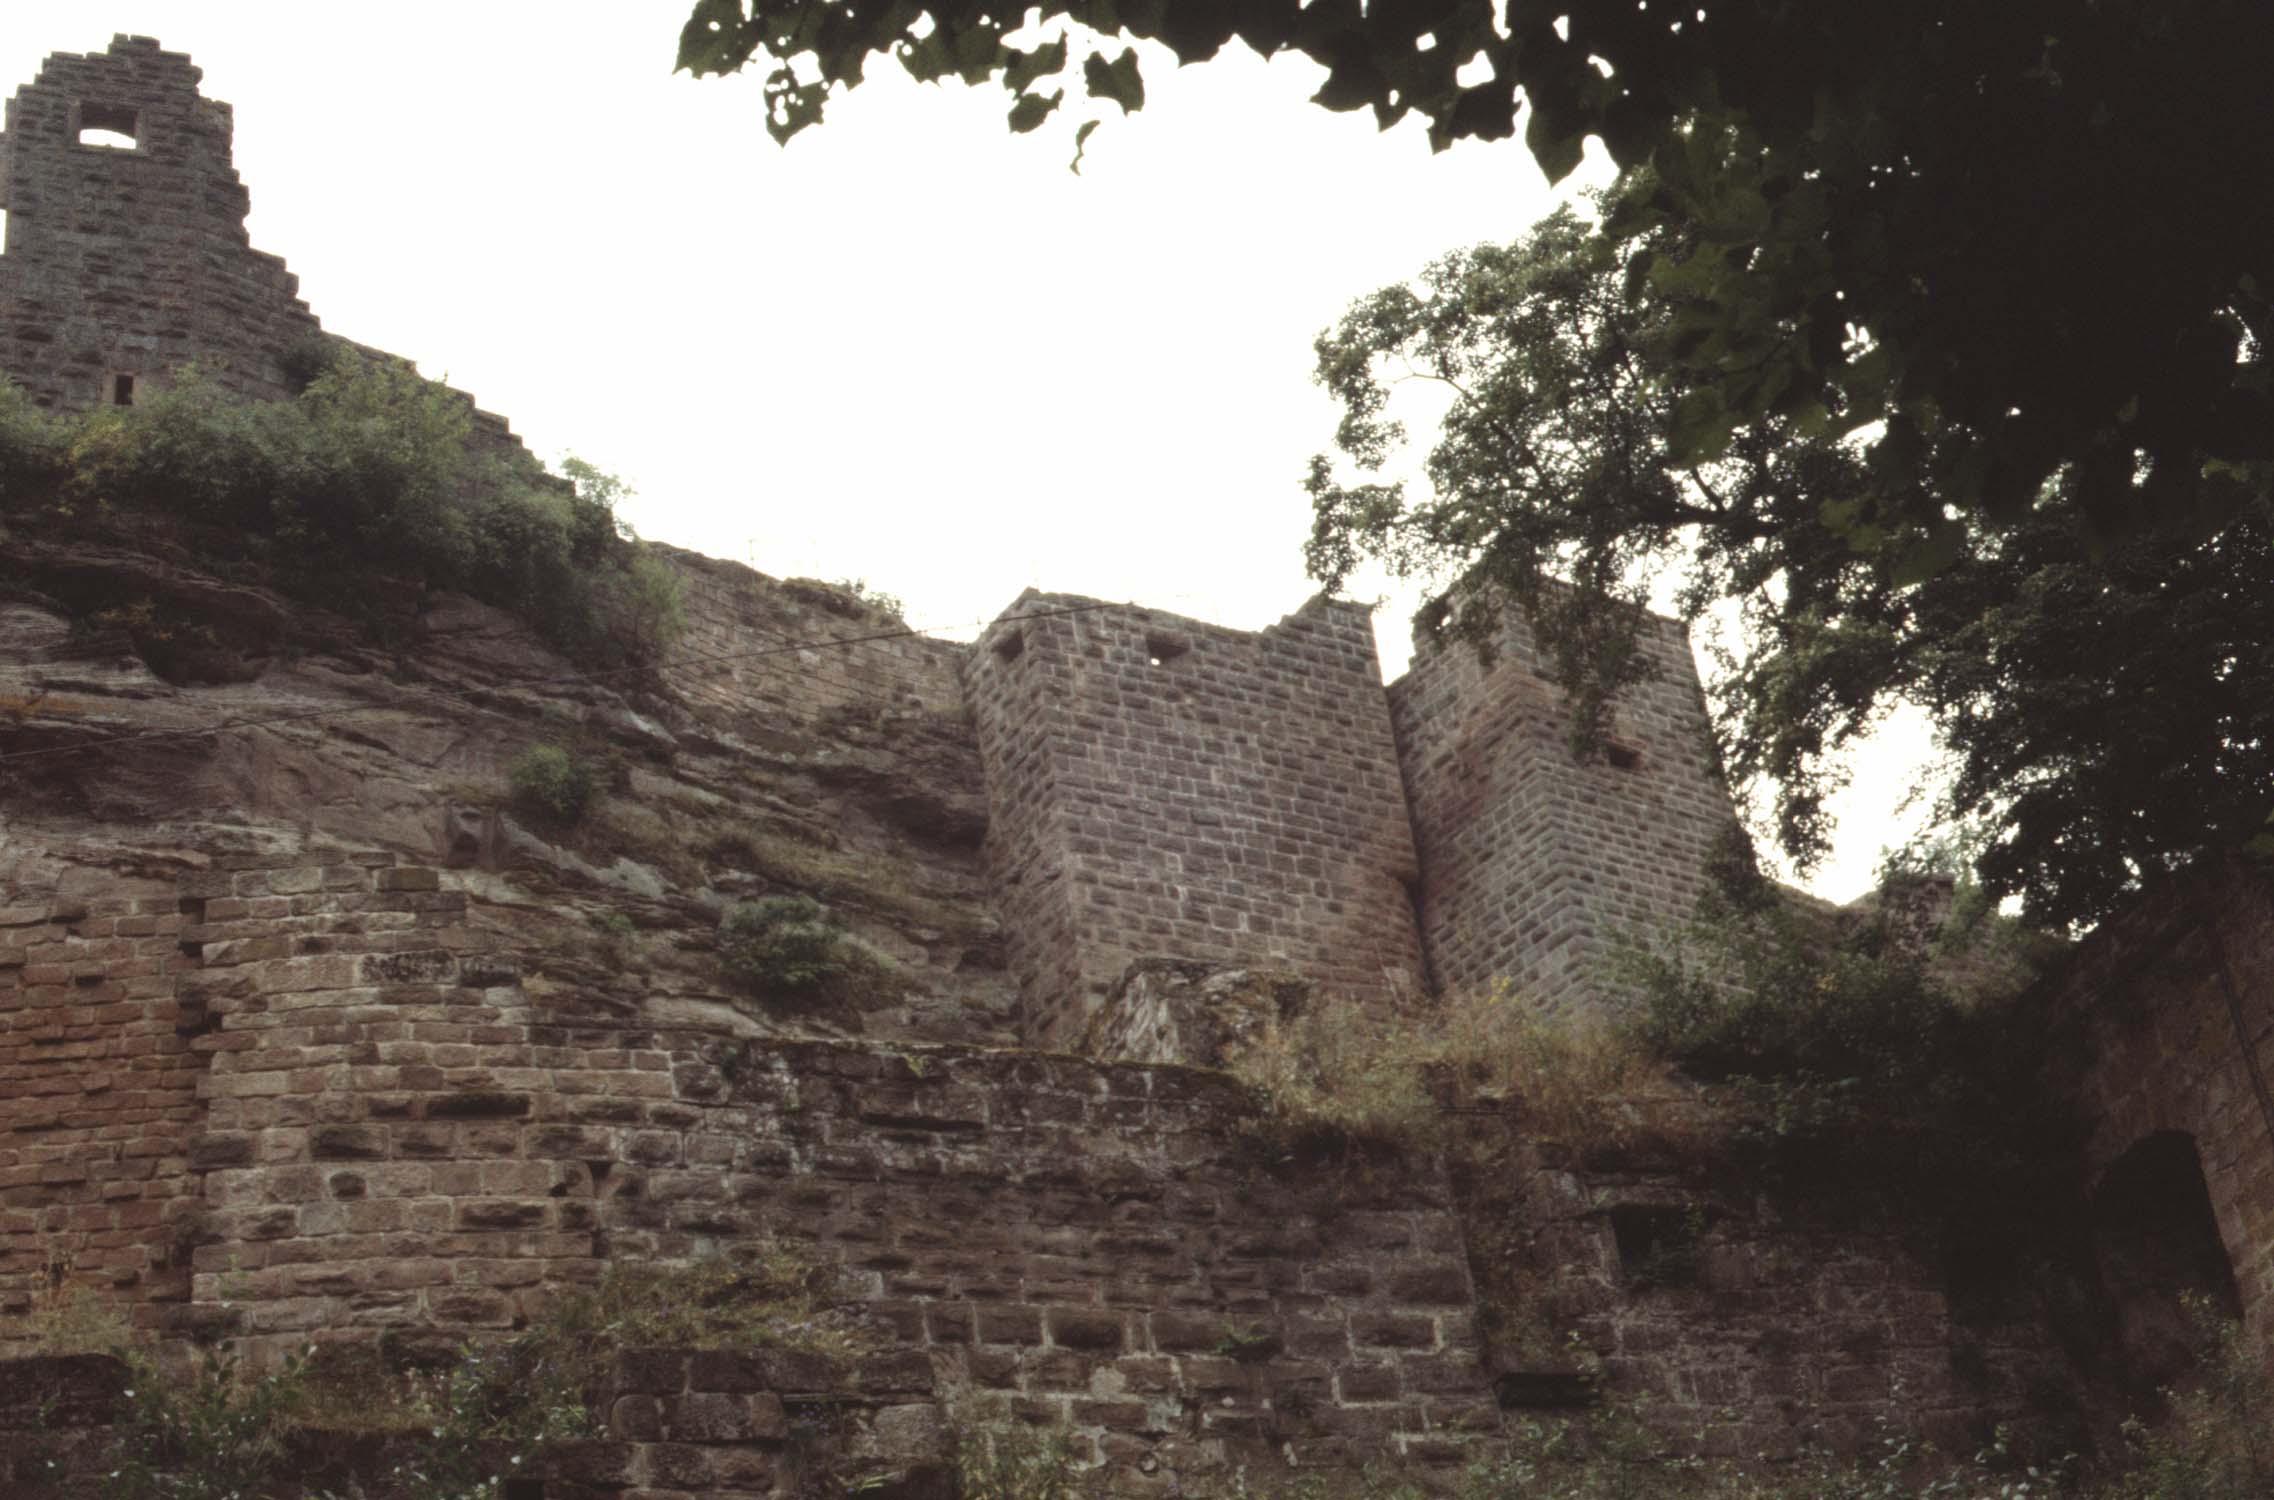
390	1136
1535	867
134	260
1738	1327
2164	1022
1162	787
99	1068
679	1424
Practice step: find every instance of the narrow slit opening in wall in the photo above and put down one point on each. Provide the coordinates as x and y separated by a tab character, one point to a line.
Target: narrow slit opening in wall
1161	649
122	390
114	126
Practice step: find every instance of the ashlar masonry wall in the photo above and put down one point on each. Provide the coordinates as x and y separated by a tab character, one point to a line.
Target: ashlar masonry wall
1159	787
392	1138
1536	866
99	1069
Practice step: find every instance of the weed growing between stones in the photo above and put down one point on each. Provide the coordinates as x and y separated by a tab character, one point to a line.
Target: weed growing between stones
2219	1445
491	1412
67	1317
764	1296
1005	1460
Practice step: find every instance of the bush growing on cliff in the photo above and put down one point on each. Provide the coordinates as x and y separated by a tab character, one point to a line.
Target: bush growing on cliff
371	476
552	784
33	452
69	1317
784	943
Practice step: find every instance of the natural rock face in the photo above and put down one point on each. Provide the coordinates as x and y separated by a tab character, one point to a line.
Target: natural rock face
836	770
1169	1012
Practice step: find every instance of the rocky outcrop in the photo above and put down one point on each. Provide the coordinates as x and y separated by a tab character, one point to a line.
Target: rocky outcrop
159	717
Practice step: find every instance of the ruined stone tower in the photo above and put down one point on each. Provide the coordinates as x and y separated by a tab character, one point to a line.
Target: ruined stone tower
1536	867
101	302
1161	789
126	258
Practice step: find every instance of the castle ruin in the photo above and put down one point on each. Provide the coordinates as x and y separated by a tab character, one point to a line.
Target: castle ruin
352	1091
1162	788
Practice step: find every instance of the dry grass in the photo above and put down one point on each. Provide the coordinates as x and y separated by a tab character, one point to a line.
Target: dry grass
1567	1074
68	1318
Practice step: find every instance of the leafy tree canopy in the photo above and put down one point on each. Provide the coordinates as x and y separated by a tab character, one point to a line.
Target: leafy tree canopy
2030	238
2108	706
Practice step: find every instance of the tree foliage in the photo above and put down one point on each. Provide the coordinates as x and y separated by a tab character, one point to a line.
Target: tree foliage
2028	238
2108	703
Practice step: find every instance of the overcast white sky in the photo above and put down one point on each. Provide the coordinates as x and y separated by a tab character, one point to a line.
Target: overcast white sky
910	347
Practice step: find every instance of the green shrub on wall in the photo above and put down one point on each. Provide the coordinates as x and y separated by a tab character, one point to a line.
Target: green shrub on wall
221	1434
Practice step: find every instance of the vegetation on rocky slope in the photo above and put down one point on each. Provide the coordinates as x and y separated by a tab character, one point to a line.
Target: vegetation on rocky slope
217	1431
369	484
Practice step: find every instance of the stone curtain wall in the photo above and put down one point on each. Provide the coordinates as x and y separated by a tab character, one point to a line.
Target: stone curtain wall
393	1138
136	261
1534	867
1739	1327
2164	1021
1161	787
99	1067
361	1145
1087	1242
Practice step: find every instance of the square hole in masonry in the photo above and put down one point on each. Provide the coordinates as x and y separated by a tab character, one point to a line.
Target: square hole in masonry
115	127
1161	648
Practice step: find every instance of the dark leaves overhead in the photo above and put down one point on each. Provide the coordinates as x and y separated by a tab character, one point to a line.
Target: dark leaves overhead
2019	255
2046	220
2108	705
